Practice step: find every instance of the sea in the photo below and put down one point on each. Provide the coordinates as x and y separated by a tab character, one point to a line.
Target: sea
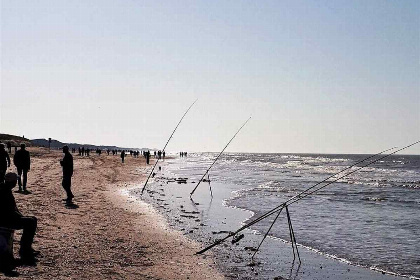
365	225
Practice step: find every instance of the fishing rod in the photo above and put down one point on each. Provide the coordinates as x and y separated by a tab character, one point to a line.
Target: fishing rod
280	207
218	157
351	172
170	137
299	196
335	174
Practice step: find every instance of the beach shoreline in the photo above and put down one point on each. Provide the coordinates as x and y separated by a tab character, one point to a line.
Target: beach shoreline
105	235
207	218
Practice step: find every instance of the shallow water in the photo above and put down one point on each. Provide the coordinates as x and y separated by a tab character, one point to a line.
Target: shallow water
369	218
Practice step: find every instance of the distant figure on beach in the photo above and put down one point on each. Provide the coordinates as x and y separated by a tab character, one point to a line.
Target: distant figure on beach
4	162
163	154
22	161
122	156
9	147
67	164
11	218
147	157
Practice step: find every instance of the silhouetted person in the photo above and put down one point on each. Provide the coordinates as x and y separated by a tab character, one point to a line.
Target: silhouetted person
122	156
163	154
11	218
4	162
67	164
147	157
22	162
9	147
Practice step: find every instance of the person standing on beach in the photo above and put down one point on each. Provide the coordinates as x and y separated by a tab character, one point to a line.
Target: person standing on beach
67	164
122	156
11	218
4	162
22	162
147	157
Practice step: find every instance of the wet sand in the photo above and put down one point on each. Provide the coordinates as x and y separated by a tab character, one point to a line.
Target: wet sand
105	235
207	218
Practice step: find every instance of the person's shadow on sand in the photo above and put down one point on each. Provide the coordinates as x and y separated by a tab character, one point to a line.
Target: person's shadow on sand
8	269
71	205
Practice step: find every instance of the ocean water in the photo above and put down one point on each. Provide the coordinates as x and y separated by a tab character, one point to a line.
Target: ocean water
369	220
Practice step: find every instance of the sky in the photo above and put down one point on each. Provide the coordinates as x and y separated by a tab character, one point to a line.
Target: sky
315	76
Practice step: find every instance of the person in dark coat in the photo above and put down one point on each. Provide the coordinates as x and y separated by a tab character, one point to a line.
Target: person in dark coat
122	156
67	164
12	218
22	161
4	162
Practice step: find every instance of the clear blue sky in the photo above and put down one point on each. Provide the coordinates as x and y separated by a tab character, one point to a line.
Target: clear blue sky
316	76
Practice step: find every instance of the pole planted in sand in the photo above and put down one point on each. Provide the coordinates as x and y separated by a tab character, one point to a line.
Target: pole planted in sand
207	171
170	137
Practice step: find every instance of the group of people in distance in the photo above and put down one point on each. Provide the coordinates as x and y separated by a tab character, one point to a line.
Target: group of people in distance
135	154
10	217
159	154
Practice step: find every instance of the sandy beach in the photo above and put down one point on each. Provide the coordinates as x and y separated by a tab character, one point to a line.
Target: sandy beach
106	235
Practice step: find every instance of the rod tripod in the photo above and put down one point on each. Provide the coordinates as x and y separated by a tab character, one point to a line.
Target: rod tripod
291	233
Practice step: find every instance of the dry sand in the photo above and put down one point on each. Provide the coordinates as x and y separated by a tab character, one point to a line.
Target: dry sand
109	235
